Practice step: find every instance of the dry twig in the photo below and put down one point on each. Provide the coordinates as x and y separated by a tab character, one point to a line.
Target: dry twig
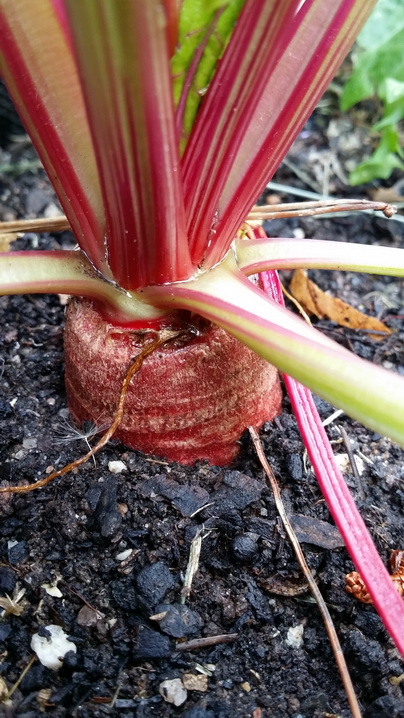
352	461
326	206
332	635
275	211
199	643
193	563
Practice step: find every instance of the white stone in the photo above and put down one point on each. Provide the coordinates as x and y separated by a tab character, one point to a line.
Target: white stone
294	637
124	554
116	467
344	463
173	691
52	211
52	649
30	443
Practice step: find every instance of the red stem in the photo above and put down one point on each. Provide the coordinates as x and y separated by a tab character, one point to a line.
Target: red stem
358	541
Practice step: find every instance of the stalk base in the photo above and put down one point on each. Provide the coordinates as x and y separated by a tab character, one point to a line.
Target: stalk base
192	399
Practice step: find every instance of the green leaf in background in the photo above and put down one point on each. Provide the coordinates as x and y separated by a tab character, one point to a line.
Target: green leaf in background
378	71
215	21
373	66
384	22
391	92
383	161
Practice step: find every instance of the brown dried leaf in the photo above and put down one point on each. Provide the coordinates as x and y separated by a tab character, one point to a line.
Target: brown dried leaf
6	239
11	605
386	194
282	586
322	305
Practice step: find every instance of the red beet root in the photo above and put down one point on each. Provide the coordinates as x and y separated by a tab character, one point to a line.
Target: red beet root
192	398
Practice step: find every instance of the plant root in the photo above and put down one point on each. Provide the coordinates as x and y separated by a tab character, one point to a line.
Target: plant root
163	337
325	614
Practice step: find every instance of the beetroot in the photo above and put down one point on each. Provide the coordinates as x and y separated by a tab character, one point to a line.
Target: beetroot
192	398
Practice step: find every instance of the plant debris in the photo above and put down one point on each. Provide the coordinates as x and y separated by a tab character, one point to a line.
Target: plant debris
322	305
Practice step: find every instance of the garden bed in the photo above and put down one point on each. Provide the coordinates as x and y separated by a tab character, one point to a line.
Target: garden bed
116	545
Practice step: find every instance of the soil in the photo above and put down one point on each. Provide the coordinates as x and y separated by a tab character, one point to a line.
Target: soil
115	546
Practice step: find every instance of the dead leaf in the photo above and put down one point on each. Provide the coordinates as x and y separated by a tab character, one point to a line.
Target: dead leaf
282	586
6	239
386	194
11	605
322	305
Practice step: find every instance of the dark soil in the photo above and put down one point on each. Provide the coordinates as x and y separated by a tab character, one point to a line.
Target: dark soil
117	545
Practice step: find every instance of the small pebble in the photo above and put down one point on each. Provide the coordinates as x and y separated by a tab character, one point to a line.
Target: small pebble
116	467
154	581
7	580
178	620
107	519
52	646
294	465
87	617
244	547
294	637
30	443
150	644
123	555
173	691
52	211
17	552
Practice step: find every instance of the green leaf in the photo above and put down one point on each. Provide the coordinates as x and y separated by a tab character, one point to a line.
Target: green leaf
382	162
205	25
392	93
372	67
384	21
356	89
379	72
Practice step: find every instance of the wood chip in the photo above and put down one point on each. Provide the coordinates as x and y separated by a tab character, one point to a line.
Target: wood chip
194	682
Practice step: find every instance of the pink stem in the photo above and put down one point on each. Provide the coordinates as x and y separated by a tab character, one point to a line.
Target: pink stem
359	544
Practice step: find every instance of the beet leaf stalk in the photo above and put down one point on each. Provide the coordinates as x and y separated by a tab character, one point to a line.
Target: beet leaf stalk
360	546
159	123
